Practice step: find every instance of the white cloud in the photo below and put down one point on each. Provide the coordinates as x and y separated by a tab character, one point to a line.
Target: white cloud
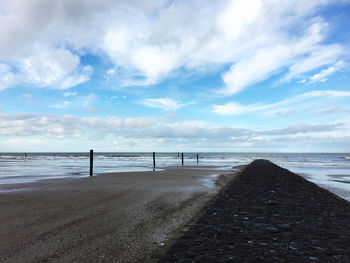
255	68
63	105
322	56
298	55
7	78
56	126
46	67
111	71
237	16
155	62
289	105
148	41
47	130
26	95
76	78
305	128
164	103
87	100
50	125
334	110
70	94
323	74
234	108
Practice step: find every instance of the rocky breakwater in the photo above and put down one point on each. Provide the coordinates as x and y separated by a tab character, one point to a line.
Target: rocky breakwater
268	214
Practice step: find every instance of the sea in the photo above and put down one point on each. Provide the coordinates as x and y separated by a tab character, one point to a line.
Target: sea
329	170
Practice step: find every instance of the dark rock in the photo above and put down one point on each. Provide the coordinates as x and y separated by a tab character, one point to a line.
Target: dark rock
269	214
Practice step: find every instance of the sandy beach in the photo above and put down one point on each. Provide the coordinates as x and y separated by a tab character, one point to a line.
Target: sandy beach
115	217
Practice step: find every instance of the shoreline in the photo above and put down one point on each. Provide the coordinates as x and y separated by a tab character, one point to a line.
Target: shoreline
340	188
24	184
113	216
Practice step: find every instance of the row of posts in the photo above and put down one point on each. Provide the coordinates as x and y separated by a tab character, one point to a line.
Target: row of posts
178	155
154	160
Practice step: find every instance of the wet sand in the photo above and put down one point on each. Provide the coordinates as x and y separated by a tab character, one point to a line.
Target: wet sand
116	217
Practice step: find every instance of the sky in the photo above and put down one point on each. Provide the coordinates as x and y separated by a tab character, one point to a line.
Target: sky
175	76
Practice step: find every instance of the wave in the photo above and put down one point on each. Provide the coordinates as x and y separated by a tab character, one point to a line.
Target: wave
118	155
302	160
314	164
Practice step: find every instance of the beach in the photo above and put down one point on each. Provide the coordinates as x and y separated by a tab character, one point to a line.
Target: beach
131	216
328	170
113	217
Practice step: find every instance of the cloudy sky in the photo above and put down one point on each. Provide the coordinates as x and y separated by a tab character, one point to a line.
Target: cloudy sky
161	75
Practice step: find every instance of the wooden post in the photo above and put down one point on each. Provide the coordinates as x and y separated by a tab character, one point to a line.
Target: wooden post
91	162
182	159
154	160
197	158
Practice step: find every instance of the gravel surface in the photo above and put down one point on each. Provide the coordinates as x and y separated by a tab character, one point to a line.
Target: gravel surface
268	214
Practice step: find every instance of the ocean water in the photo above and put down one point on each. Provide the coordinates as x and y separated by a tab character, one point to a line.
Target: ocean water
331	169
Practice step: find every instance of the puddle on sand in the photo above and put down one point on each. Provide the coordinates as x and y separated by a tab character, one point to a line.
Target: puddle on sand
210	181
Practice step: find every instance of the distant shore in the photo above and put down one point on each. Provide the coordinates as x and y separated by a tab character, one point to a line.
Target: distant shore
123	217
